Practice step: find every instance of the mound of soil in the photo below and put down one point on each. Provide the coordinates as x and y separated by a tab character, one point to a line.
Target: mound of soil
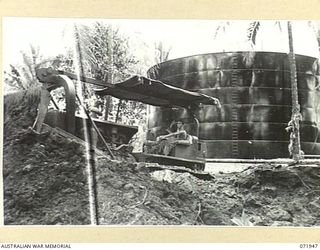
46	182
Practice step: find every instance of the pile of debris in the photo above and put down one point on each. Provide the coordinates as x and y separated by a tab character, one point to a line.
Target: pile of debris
46	183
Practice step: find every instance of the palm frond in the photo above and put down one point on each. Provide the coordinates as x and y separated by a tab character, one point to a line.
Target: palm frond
220	28
278	23
313	26
252	31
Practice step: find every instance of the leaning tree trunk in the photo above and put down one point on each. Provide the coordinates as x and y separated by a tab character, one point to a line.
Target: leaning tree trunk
294	146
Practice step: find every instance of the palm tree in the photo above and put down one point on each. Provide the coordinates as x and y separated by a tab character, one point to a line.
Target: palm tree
294	145
106	56
162	53
294	123
23	77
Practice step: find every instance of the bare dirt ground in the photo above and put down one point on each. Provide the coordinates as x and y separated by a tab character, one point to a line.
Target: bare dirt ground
45	183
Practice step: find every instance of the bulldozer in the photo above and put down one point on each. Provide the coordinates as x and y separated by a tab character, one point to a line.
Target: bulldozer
114	136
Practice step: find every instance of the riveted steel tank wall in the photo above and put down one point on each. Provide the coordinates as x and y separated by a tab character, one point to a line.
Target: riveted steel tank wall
255	93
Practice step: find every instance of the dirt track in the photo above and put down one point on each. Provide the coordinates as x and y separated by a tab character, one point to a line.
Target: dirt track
45	182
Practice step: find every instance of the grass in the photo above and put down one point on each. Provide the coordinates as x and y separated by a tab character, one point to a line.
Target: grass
243	221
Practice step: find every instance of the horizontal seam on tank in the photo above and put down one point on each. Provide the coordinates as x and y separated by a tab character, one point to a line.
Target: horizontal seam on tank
267	141
230	54
247	87
305	126
203	140
285	123
267	105
237	69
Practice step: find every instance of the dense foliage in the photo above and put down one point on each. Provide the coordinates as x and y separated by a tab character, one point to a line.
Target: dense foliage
103	53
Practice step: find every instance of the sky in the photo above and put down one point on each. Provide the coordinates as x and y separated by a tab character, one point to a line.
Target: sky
184	37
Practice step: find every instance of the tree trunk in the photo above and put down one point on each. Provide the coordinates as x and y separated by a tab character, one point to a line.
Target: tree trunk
109	75
294	145
118	111
107	106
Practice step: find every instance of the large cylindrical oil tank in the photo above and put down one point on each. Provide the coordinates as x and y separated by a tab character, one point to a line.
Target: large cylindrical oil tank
255	93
